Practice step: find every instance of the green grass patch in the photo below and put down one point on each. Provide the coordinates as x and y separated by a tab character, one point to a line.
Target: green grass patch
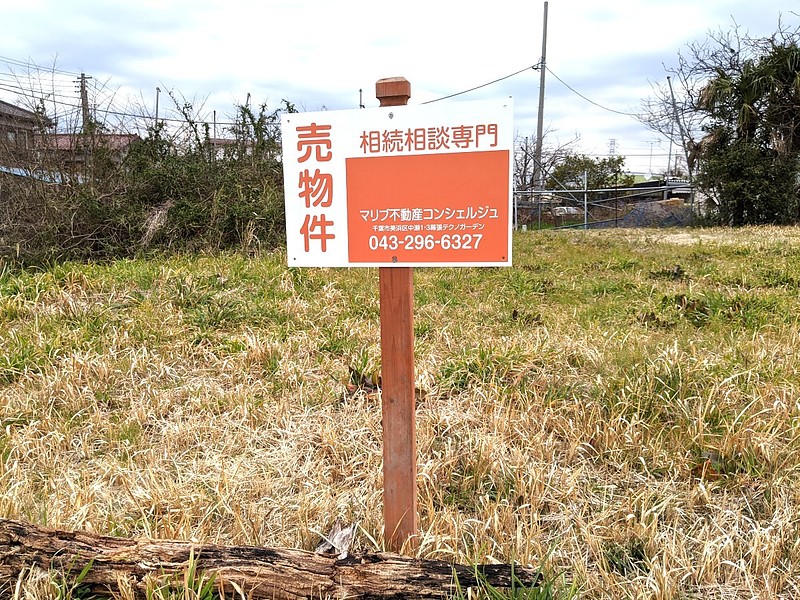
617	407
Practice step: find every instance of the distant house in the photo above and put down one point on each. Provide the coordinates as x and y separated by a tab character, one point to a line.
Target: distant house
71	151
20	130
222	146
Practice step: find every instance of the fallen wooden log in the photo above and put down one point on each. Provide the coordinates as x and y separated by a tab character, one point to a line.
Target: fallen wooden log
239	571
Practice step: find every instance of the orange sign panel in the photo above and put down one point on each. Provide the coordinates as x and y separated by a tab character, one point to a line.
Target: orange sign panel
431	208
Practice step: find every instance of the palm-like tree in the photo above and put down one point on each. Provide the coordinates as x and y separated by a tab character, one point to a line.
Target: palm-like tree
750	156
761	101
781	72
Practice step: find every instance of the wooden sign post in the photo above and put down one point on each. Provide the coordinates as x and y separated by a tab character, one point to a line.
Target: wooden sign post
398	188
397	378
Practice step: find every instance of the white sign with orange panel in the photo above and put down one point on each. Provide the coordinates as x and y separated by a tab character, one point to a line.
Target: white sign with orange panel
403	186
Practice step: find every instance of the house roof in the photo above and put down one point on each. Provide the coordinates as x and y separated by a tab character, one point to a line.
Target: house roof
71	141
12	111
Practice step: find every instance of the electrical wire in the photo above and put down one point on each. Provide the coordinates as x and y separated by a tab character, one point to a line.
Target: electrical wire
589	100
73	104
12	84
62	86
27	86
34	66
483	85
97	89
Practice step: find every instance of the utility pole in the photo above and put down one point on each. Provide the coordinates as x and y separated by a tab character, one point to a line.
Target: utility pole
684	143
585	199
538	179
612	152
87	119
158	92
684	135
86	128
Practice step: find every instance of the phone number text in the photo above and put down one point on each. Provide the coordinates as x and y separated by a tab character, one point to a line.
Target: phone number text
447	241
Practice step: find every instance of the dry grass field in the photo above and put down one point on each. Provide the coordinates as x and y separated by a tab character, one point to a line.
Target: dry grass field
620	409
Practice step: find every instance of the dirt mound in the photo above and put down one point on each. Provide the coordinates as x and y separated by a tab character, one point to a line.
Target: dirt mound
653	214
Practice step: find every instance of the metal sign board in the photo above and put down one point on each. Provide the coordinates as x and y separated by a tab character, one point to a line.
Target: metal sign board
407	186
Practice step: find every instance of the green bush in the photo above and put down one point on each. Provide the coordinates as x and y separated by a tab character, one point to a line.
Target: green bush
194	196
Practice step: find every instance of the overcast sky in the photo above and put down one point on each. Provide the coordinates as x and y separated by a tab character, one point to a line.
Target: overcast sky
319	53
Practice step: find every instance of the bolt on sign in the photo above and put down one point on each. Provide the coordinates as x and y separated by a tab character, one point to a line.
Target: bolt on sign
402	186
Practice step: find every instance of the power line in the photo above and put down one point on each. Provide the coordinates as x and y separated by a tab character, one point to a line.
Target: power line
34	66
27	86
28	65
75	106
30	80
589	100
483	85
47	97
12	84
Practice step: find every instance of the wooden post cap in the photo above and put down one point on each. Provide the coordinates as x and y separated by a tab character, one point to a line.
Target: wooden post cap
393	91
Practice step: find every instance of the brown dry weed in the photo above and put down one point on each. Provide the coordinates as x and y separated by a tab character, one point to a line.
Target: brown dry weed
629	426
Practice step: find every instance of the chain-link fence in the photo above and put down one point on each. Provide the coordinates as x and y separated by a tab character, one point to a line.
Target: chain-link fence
666	203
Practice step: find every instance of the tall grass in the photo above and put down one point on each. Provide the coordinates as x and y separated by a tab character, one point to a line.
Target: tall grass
619	408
